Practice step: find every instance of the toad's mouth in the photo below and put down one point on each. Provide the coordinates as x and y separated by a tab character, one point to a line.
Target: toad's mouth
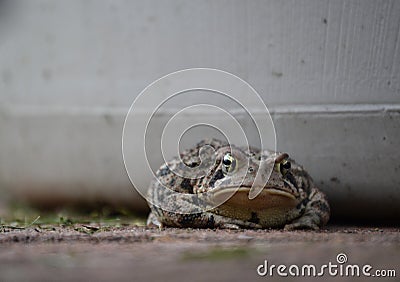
269	196
224	191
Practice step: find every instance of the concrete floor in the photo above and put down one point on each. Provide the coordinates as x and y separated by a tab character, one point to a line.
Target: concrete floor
133	253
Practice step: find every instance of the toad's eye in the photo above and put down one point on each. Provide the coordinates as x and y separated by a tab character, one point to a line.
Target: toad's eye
228	163
282	164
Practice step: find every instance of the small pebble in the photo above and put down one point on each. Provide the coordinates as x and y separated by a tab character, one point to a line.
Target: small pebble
245	237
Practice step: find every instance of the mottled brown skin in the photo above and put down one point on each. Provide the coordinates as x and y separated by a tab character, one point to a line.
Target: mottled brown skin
288	198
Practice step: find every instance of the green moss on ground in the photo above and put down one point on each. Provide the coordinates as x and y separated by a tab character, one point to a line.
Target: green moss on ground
88	221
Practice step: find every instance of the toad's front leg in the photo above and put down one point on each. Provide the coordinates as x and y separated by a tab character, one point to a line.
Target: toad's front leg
316	212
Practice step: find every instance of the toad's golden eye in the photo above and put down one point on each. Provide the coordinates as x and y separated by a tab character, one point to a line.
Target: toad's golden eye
228	163
282	164
285	167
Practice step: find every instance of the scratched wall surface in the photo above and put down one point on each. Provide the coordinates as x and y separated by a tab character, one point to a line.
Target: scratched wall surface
329	71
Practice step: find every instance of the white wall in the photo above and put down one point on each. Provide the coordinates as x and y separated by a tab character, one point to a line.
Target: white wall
328	70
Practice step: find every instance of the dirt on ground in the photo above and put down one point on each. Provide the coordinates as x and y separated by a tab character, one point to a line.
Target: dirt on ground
91	252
